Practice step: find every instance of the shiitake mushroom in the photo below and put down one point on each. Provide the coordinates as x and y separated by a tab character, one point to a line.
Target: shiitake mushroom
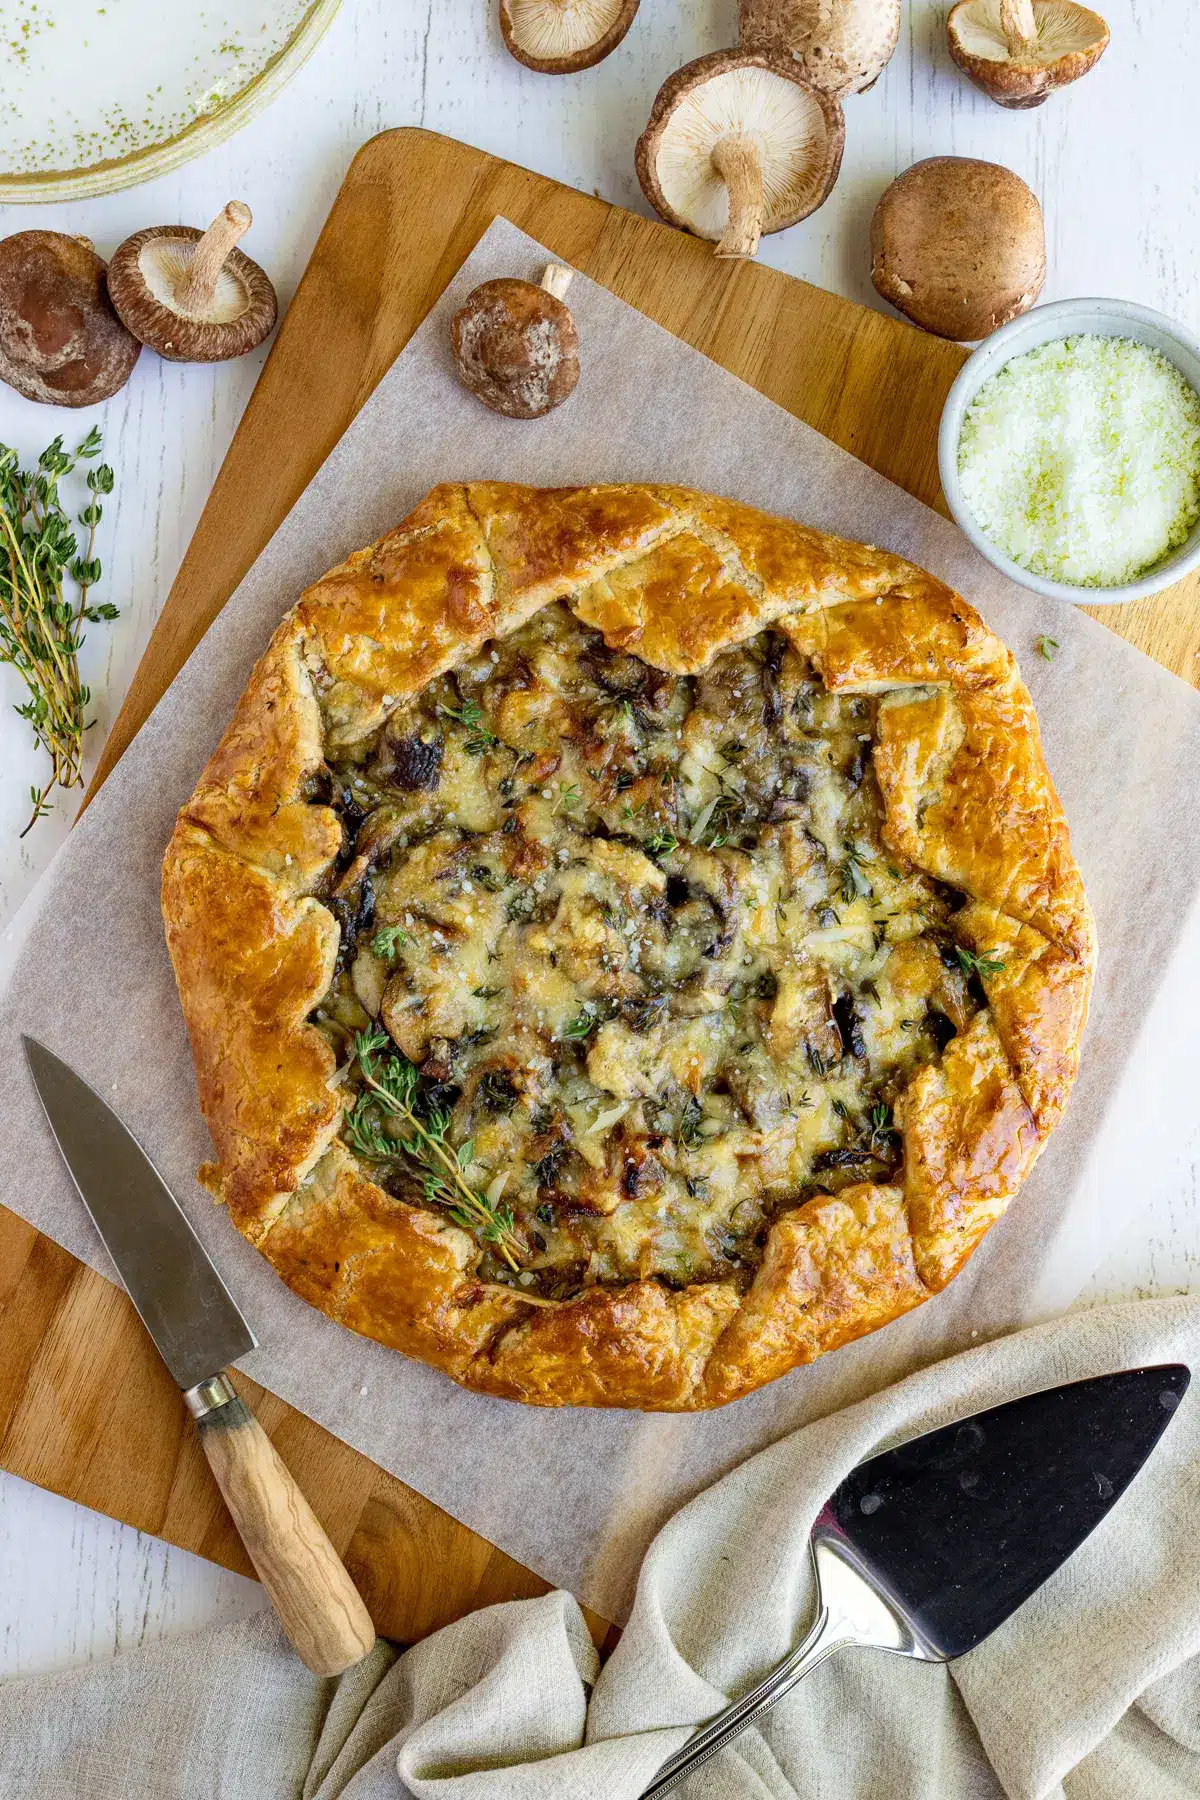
61	342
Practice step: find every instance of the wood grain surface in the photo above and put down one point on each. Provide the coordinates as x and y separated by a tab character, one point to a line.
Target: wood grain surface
86	1408
316	1603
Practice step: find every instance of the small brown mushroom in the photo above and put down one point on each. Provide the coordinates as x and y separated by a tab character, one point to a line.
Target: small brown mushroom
841	46
516	345
190	294
61	343
1019	51
958	246
739	144
560	37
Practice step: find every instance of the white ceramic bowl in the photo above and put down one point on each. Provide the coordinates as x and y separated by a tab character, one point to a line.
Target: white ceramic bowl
1044	325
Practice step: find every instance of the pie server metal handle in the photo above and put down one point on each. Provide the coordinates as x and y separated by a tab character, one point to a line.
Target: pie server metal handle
851	1613
318	1605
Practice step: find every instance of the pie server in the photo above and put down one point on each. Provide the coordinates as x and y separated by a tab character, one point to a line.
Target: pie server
925	1550
198	1331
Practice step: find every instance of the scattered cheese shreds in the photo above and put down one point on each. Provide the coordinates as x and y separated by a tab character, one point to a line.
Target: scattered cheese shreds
1081	459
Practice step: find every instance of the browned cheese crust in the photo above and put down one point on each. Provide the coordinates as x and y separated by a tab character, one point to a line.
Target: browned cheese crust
673	577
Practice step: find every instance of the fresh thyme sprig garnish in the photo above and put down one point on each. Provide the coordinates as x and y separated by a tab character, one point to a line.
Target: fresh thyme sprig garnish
1046	646
41	631
480	736
855	885
388	939
982	962
883	1127
714	825
595	1012
820	1065
390	1087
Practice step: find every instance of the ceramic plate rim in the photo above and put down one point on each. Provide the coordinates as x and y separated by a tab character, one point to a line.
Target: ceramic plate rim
210	129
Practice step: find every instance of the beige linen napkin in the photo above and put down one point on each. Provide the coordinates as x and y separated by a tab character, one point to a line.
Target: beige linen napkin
1090	1692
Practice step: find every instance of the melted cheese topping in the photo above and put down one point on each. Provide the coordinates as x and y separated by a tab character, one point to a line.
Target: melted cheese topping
642	939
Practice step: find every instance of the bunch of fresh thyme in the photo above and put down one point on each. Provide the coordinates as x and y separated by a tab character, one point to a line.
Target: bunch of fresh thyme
390	1087
41	631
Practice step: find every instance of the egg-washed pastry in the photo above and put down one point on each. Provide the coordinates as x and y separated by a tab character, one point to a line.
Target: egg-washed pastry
630	943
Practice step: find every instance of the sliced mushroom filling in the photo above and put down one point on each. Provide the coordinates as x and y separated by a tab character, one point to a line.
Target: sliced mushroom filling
635	950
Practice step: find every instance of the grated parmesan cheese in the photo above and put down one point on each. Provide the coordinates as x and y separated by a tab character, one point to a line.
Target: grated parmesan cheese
1081	459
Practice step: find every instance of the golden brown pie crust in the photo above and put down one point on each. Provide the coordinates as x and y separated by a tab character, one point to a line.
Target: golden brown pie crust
673	577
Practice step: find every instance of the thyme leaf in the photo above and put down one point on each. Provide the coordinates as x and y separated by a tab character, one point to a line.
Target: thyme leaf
1046	646
690	1132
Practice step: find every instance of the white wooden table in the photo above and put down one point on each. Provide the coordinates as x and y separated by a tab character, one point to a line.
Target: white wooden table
1114	163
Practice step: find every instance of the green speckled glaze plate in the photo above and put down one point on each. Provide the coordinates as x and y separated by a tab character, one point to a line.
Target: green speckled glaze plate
99	94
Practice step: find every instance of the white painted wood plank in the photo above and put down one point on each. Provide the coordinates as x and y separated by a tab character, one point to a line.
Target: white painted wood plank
1114	163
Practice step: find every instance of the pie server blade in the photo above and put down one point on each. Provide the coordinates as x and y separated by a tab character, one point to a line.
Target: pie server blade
926	1549
183	1303
188	1311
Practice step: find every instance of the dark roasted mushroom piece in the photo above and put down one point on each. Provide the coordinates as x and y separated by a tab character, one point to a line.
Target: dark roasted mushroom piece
412	762
845	1016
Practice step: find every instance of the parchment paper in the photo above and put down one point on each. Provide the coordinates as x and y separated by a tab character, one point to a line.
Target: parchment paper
577	1495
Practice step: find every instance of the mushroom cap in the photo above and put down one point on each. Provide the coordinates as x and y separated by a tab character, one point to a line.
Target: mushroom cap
559	37
1069	40
61	343
958	246
841	46
516	347
798	130
144	274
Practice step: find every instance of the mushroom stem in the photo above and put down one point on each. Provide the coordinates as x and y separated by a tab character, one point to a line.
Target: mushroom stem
198	286
557	279
737	162
1018	24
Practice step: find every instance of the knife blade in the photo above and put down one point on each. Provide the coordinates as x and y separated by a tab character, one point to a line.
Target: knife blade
183	1303
926	1549
198	1331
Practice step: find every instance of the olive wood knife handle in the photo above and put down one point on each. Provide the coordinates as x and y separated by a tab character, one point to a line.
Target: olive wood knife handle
318	1605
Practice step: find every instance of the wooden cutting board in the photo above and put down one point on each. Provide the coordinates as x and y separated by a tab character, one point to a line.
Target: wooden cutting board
86	1407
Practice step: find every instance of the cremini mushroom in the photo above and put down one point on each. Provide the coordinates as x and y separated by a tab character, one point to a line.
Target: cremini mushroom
841	46
559	37
61	343
739	144
958	246
516	346
1019	51
190	294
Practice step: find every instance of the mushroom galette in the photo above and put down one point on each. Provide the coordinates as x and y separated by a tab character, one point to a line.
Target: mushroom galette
630	943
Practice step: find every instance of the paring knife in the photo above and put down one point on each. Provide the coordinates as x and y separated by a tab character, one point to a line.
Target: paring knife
925	1550
198	1331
